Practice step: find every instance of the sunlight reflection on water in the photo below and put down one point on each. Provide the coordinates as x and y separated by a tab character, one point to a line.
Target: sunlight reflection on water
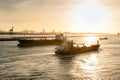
90	63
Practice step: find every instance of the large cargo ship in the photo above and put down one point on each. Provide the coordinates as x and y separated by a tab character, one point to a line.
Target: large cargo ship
41	41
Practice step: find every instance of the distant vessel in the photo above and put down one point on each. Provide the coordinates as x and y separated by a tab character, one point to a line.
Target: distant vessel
41	41
68	48
103	38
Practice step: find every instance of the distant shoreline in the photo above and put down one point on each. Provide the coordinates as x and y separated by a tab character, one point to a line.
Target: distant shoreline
49	33
20	33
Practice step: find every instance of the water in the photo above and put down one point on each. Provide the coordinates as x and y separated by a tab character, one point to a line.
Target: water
41	63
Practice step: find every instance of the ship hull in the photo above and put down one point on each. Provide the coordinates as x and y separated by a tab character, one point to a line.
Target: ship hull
29	43
76	50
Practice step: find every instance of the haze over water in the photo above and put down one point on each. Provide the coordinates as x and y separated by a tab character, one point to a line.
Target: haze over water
41	63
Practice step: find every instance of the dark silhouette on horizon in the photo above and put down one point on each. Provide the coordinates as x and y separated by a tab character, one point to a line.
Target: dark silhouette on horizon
11	30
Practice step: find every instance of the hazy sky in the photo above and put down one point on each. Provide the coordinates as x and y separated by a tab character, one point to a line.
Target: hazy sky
61	15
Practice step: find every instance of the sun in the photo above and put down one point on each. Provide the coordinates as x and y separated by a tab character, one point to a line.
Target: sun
89	17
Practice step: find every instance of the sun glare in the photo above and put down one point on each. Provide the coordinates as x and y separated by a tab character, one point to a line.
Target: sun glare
90	63
90	40
89	17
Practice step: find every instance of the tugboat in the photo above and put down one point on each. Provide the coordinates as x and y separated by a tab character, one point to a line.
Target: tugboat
68	48
42	41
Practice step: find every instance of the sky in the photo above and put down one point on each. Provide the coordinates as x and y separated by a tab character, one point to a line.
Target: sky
61	15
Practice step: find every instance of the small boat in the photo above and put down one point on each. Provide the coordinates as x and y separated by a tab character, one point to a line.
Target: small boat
42	41
68	48
103	38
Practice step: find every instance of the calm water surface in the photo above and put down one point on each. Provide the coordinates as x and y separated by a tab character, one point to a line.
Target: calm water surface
41	63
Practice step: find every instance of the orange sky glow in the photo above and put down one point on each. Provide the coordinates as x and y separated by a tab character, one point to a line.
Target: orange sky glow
99	16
